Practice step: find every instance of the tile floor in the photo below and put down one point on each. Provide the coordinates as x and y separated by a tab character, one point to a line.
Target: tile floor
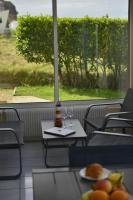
32	158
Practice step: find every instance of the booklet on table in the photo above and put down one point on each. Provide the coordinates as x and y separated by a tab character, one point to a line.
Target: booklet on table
59	131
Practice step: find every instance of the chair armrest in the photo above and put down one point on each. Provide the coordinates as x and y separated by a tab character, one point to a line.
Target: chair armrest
121	119
113	134
115	119
117	113
101	104
11	108
11	131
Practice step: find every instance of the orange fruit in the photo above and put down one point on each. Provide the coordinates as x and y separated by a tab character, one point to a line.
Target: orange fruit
94	170
99	195
119	195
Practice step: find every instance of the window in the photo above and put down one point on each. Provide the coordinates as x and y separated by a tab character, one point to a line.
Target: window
22	81
92	46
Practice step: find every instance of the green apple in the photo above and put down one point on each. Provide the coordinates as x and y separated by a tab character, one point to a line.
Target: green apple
86	195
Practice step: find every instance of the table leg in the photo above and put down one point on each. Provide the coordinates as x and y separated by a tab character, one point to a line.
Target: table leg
47	146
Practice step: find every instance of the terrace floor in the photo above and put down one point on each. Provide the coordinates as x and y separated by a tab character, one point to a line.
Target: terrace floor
32	158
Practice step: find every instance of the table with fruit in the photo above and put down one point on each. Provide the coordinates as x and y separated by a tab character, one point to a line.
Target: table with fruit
92	182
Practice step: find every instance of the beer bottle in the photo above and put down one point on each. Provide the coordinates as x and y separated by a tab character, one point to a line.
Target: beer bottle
58	117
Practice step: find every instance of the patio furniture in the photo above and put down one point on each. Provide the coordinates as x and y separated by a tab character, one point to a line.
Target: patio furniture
61	142
64	184
104	153
11	136
114	120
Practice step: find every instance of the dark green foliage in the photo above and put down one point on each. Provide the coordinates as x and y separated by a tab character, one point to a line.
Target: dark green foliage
34	38
90	49
21	78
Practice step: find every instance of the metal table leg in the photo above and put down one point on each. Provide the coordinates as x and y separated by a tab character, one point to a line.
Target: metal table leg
47	146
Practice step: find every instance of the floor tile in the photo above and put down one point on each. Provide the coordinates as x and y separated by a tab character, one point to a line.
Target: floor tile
32	158
27	194
26	182
10	194
27	170
10	184
7	171
33	162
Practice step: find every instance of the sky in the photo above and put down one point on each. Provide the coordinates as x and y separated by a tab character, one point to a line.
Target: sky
74	8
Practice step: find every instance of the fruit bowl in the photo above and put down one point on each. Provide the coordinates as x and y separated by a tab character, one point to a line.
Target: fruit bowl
111	188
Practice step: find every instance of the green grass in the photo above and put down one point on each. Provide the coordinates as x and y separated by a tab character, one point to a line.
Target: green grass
47	92
11	60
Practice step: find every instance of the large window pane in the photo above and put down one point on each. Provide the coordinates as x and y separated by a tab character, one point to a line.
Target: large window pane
29	81
93	52
93	48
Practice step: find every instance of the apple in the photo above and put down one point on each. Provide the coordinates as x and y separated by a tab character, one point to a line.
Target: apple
86	195
104	185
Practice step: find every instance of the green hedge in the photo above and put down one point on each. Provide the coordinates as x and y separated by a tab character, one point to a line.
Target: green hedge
90	49
23	77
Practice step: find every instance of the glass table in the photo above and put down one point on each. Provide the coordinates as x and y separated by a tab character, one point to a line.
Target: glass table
65	183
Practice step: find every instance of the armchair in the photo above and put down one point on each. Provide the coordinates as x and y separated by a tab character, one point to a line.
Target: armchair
102	152
11	135
122	119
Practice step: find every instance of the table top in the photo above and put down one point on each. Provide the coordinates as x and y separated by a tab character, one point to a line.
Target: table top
79	131
65	183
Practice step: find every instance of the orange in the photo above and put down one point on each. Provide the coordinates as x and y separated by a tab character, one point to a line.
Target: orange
94	170
119	195
99	195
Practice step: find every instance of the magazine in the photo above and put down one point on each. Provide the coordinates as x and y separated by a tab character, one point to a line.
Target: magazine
59	131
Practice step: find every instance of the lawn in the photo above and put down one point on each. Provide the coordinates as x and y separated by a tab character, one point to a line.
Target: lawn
9	58
47	92
11	61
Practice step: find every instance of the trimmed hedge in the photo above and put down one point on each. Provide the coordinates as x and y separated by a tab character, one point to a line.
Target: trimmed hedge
89	48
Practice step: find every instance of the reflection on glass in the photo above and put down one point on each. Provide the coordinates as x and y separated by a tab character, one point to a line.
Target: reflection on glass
93	48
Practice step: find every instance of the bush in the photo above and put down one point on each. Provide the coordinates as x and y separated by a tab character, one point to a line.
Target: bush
21	78
89	81
77	46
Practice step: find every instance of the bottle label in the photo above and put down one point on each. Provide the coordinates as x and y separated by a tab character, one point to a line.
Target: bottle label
58	116
58	119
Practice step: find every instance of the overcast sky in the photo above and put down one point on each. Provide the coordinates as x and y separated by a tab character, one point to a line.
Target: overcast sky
74	8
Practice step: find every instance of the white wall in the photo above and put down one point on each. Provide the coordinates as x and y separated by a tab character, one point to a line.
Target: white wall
4	15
